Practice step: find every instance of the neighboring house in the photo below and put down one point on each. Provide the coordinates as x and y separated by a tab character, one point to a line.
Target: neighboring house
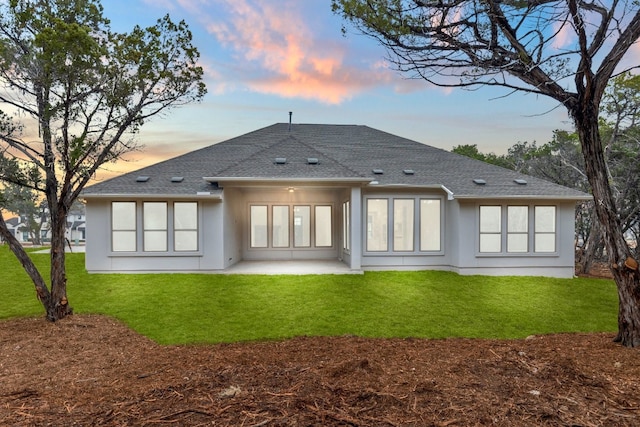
19	230
75	229
337	192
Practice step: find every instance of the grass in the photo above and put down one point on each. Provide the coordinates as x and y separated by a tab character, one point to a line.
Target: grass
200	308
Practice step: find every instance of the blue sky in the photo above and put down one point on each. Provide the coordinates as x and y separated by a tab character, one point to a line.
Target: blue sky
264	58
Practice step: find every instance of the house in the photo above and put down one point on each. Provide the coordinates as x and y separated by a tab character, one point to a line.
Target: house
75	229
19	230
367	198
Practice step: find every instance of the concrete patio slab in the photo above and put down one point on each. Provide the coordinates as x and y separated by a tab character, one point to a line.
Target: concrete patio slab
290	267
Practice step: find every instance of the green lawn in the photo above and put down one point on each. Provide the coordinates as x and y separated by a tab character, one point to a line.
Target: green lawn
200	308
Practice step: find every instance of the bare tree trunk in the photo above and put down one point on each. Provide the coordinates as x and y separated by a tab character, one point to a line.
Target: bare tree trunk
59	304
623	266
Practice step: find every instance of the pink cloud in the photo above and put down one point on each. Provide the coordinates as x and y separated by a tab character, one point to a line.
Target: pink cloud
282	55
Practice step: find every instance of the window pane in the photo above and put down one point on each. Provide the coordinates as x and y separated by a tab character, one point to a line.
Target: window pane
490	221
155	241
185	223
185	215
258	226
517	219
324	229
124	241
429	225
403	225
280	226
346	228
302	226
377	216
123	215
123	226
517	243
155	215
545	219
545	242
186	240
490	243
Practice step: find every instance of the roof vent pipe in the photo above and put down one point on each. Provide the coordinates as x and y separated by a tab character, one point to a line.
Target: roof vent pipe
290	114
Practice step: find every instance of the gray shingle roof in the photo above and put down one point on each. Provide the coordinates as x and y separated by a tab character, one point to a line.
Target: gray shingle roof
344	152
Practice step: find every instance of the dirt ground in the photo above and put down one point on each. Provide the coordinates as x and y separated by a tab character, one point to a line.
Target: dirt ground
94	371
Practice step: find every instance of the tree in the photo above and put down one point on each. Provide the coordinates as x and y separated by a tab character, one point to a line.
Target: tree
74	96
564	49
471	150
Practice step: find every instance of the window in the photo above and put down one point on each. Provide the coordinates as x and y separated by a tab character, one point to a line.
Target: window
123	226
377	217
162	227
154	225
185	226
285	226
545	229
301	226
323	230
490	229
403	213
280	228
399	224
258	226
346	225
517	229
518	222
430	225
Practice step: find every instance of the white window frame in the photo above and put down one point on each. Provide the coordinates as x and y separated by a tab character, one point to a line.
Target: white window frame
377	235
155	231
543	232
322	239
346	226
255	240
189	228
123	227
422	230
138	233
310	227
541	238
517	230
430	239
404	231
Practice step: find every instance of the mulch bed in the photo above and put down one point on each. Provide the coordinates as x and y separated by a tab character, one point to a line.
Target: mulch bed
94	371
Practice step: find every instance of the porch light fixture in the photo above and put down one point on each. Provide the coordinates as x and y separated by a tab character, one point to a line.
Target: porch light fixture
290	189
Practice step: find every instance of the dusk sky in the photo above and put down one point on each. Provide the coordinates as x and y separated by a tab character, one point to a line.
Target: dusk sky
264	58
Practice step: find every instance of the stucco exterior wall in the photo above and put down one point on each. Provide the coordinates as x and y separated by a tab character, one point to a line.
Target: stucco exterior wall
557	264
415	260
99	257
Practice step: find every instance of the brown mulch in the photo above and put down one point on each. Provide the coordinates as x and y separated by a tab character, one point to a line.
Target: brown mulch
94	371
